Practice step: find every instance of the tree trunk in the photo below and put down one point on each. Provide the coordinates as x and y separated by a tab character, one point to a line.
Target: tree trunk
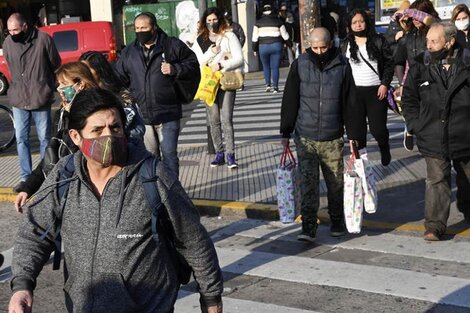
309	11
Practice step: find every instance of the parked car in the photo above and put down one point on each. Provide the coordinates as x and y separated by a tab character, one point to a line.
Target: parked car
71	40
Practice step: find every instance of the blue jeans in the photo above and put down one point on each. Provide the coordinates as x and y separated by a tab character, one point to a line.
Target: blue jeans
43	122
163	138
270	55
221	117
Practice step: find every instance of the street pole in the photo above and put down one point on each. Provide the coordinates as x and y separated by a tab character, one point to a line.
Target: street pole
234	11
309	11
202	5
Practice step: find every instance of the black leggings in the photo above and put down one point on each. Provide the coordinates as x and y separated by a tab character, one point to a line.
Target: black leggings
367	105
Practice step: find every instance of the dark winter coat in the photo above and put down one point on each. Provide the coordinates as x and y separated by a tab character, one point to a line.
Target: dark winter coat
155	92
438	114
112	262
409	47
32	64
312	101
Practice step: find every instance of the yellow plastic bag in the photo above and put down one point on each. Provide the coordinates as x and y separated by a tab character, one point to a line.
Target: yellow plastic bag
208	85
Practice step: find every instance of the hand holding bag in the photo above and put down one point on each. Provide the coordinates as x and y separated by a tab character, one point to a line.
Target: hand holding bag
287	187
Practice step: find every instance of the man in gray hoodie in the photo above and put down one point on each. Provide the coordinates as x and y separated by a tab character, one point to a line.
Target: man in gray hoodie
112	263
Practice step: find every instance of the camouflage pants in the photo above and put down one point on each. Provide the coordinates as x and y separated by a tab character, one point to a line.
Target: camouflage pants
329	156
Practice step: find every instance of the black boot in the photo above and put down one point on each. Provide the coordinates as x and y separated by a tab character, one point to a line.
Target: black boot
385	153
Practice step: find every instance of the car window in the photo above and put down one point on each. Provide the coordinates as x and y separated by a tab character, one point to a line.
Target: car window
66	40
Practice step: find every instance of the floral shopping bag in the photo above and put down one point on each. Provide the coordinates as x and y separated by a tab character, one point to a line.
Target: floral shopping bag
287	187
369	188
352	199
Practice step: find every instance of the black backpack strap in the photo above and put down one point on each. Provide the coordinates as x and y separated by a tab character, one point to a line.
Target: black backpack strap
62	191
149	179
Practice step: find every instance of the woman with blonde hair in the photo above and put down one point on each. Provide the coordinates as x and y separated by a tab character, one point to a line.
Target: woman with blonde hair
219	48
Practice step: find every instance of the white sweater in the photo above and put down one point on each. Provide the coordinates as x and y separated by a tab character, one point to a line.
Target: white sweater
228	43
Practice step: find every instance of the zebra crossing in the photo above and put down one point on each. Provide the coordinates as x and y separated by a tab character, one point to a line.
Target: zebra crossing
267	270
257	117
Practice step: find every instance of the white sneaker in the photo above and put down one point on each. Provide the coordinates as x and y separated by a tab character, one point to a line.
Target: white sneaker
268	88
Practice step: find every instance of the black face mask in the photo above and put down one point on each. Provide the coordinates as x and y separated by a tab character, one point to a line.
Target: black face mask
322	58
437	56
213	27
144	37
362	33
18	37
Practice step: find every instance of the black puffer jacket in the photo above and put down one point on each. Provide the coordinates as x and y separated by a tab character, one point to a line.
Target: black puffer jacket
436	114
155	92
384	58
312	101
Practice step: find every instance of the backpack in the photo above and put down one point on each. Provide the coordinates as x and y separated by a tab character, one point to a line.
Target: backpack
159	220
185	88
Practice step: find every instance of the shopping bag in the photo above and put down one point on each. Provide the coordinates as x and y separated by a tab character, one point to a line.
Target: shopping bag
208	85
365	172
287	187
352	199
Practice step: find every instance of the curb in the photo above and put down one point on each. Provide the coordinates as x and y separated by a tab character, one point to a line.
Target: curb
269	212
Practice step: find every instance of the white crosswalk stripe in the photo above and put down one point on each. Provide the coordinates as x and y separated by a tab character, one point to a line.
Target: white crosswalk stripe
381	269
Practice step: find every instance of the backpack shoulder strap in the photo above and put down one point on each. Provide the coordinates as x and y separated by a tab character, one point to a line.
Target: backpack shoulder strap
149	179
62	191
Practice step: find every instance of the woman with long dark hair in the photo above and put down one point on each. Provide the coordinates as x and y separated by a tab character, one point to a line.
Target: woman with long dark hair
107	79
371	71
219	48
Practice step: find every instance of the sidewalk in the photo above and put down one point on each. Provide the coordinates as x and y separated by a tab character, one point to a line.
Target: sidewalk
250	190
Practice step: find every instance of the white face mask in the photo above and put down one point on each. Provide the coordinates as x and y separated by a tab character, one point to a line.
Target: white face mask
462	24
267	12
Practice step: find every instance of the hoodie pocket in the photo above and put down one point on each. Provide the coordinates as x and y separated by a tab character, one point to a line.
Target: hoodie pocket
110	294
106	293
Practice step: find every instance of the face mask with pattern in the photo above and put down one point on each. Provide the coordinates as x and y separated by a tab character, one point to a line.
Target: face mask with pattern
69	93
106	150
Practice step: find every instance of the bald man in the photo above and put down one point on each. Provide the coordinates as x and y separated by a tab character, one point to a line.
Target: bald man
312	112
32	58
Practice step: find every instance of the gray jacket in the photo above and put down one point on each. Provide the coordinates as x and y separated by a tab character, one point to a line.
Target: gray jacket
111	261
32	64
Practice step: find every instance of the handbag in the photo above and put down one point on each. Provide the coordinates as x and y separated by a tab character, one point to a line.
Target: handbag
391	102
231	80
288	187
353	200
185	88
208	86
